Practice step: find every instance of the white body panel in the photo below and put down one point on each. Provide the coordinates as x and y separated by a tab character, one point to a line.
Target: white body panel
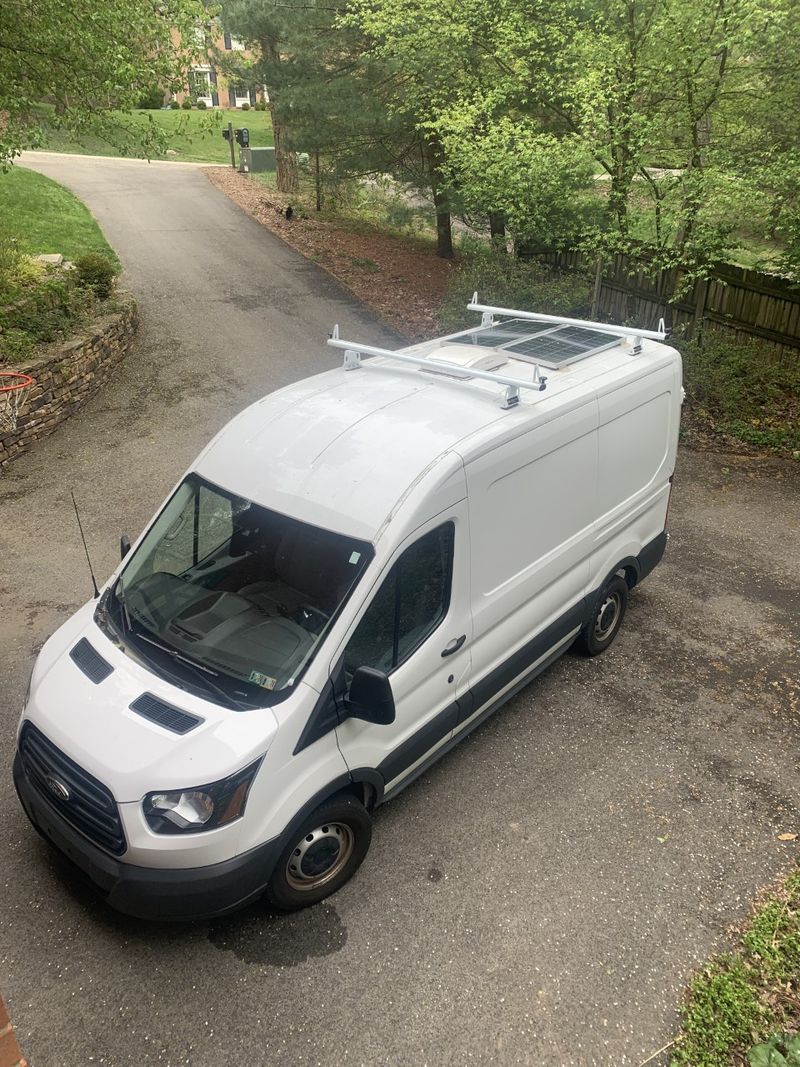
546	500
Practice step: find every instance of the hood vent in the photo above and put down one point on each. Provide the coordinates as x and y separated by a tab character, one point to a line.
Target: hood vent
150	707
90	662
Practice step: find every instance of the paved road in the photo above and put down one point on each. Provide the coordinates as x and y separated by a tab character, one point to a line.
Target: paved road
542	894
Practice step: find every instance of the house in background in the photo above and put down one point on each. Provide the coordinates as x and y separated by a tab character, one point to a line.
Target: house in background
205	83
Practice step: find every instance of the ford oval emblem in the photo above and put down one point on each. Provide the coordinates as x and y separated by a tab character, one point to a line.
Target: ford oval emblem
57	788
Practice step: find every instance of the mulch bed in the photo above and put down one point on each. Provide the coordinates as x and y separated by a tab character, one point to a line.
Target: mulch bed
403	282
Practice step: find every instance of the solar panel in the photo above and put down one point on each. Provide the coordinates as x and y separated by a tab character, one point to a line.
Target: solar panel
540	342
504	332
565	344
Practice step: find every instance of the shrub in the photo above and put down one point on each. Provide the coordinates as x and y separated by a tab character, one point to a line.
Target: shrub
174	105
201	105
187	104
46	312
30	271
15	346
260	105
96	272
10	259
743	390
151	100
506	281
245	107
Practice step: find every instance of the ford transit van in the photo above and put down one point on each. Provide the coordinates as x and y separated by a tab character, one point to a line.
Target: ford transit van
351	577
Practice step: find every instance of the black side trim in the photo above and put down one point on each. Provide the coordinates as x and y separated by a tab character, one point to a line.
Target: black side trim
322	720
419	743
485	689
651	554
163	714
90	661
460	734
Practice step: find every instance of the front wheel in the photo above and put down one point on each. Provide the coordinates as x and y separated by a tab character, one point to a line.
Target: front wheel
323	854
607	615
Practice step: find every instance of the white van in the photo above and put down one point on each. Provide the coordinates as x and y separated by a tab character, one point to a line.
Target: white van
356	572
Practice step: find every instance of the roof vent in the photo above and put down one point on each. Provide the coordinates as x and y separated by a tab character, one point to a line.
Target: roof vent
464	358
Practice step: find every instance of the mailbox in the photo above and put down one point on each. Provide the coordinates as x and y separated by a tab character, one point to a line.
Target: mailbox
243	137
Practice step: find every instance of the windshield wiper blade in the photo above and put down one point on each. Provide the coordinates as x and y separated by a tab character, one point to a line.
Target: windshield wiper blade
174	654
179	655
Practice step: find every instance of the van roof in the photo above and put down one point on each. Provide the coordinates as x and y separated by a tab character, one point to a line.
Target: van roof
340	450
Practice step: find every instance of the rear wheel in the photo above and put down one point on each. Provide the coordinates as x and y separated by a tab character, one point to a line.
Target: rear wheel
322	854
607	615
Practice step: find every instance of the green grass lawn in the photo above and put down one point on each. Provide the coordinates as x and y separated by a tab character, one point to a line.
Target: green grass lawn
194	136
43	216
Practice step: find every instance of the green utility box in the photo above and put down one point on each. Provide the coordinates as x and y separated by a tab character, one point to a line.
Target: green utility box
256	160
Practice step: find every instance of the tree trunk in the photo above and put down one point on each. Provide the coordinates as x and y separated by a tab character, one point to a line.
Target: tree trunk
444	229
497	227
285	161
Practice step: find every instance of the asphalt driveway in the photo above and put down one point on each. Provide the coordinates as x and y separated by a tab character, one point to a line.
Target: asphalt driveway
542	894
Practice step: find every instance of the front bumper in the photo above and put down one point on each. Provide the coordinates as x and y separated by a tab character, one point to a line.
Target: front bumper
180	894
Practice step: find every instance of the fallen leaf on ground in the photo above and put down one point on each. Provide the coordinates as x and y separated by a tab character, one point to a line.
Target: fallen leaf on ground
787	837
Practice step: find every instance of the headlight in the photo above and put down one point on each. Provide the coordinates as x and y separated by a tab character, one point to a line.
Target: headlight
205	807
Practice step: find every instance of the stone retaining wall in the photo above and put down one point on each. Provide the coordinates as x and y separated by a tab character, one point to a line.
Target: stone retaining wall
68	375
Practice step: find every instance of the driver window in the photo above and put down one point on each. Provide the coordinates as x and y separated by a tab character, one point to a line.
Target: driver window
408	607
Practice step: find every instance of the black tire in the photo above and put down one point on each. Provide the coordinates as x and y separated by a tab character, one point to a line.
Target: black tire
322	854
608	611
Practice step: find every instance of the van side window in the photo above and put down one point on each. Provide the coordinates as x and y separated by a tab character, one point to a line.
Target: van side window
408	607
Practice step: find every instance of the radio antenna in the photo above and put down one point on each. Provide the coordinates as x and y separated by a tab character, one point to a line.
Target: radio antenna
85	548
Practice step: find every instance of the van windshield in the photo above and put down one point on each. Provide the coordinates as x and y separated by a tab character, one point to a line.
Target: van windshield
231	596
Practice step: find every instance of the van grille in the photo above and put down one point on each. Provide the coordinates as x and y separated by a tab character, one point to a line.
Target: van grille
90	661
81	801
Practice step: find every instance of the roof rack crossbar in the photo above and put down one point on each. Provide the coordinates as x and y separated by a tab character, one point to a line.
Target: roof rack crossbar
353	350
600	327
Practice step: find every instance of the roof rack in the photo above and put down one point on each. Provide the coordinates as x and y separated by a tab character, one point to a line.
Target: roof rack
599	327
354	350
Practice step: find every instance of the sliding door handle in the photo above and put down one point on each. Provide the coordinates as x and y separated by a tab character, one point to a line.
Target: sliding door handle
454	645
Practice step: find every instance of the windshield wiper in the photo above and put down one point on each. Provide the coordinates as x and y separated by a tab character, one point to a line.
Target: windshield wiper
198	668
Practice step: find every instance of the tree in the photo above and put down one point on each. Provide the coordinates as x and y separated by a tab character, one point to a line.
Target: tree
87	59
658	94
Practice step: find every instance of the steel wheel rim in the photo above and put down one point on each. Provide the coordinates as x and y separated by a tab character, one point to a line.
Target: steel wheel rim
608	616
320	856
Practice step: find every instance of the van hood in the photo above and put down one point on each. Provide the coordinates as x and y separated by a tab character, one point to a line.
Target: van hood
93	723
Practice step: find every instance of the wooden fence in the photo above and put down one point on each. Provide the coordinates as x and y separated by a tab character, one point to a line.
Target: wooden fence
740	302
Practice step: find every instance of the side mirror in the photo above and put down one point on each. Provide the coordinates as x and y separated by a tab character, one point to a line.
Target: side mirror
370	697
124	546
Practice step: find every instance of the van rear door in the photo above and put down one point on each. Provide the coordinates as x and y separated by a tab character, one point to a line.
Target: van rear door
416	627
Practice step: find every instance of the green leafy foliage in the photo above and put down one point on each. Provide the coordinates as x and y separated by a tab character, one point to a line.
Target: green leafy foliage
46	312
509	282
187	104
151	100
97	273
741	389
781	1050
86	59
743	1002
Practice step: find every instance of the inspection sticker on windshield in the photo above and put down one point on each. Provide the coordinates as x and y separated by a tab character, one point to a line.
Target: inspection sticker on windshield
264	680
355	557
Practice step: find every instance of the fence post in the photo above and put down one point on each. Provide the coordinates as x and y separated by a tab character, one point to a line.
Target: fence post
699	309
598	279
